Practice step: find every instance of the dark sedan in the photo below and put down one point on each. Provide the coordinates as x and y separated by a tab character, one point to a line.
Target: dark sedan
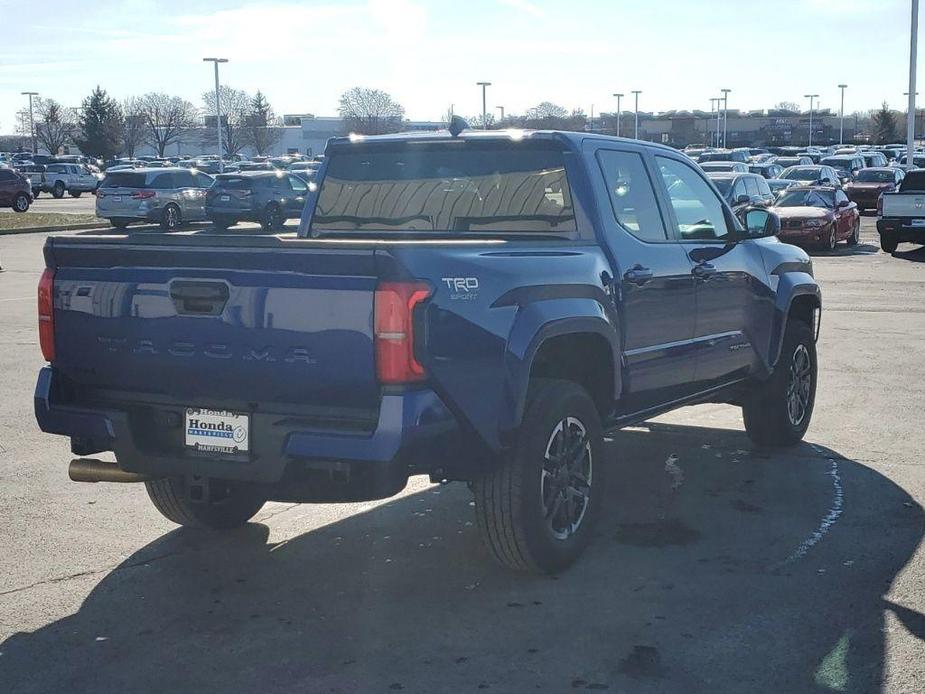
743	190
812	175
267	197
794	161
847	165
769	169
869	183
817	216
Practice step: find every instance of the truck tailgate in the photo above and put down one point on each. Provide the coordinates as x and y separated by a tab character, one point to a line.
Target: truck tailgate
217	326
904	204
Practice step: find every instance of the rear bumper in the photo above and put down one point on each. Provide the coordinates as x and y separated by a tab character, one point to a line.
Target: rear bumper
415	434
901	230
231	212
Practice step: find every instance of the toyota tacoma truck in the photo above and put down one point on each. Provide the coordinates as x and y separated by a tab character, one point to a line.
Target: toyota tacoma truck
472	306
901	214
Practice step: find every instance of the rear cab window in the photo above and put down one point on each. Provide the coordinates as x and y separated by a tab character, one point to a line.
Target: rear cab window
455	188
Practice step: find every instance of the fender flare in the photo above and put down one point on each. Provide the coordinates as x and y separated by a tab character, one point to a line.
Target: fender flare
541	321
791	286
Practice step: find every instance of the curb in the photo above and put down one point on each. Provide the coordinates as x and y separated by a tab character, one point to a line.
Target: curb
60	227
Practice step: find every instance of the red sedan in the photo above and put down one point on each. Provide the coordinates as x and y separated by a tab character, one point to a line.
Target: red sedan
865	189
818	216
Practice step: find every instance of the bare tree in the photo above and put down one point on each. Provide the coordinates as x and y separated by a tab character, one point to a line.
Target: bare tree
479	124
235	107
546	110
370	111
166	119
133	126
54	124
262	127
792	106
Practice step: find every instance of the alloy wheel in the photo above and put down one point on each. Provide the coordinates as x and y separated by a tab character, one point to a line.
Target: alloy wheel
799	386
565	486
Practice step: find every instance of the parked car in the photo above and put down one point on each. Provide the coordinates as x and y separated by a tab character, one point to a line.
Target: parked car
736	166
36	175
743	190
812	175
814	157
901	213
846	165
779	185
74	179
819	216
873	160
170	197
789	161
267	197
918	160
470	308
869	183
305	169
769	169
15	190
723	155
766	158
255	166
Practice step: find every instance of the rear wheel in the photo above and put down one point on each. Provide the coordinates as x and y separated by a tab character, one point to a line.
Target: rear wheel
170	217
855	237
888	242
777	412
21	202
536	511
228	504
272	217
224	222
57	190
75	193
119	223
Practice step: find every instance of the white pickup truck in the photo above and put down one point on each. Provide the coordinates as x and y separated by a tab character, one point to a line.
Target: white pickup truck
901	215
73	179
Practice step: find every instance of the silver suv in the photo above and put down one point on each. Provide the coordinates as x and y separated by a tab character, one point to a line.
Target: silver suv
169	197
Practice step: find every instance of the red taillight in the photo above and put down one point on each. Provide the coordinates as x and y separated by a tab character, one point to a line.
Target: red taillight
47	314
394	331
142	194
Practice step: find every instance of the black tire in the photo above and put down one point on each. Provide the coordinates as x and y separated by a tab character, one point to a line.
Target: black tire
231	506
855	237
75	193
57	191
888	242
119	223
171	218
223	222
512	502
21	203
272	217
771	416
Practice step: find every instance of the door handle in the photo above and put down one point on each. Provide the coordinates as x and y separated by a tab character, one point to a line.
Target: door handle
703	270
638	275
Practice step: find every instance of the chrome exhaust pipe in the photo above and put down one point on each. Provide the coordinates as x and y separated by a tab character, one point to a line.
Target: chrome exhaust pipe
92	470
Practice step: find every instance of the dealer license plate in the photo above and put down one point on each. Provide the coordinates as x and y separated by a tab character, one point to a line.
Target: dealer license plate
217	431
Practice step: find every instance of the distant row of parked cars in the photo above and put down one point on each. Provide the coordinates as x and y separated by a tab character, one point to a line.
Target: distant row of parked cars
819	193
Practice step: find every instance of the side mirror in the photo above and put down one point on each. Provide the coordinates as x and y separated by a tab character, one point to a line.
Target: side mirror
743	200
844	203
761	223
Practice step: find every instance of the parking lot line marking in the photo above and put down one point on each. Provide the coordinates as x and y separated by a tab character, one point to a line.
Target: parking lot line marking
829	519
17	298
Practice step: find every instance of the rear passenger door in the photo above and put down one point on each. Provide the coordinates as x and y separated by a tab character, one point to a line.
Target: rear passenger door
652	282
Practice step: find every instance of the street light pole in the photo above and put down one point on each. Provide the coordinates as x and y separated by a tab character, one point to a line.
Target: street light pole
483	85
841	115
218	111
637	92
725	113
32	120
910	117
718	114
619	113
811	97
712	110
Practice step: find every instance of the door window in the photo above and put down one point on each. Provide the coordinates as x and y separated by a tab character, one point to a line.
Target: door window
631	195
698	210
202	180
737	190
751	187
298	185
183	179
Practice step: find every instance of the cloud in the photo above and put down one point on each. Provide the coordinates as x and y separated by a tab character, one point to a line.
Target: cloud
526	7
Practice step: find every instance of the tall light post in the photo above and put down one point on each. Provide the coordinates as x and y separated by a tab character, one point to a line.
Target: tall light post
841	115
637	92
619	112
916	115
811	97
483	85
718	115
32	119
910	117
218	111
712	124
725	112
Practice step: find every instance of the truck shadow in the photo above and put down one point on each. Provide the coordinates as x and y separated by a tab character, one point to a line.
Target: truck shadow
916	255
713	570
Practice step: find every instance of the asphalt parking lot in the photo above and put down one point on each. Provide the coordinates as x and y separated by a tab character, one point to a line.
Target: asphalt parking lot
752	571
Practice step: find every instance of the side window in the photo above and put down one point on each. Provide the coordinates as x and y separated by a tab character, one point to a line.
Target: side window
631	195
738	189
840	196
298	185
203	180
164	181
764	190
282	183
6	175
698	211
751	187
183	179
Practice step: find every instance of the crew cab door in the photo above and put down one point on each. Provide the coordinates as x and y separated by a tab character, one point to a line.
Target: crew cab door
733	301
651	283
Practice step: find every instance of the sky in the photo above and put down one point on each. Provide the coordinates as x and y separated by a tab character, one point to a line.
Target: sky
429	55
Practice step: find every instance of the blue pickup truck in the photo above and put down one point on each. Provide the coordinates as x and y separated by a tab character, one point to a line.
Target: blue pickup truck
472	306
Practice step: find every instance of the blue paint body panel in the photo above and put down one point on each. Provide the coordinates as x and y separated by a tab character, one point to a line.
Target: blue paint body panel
284	331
